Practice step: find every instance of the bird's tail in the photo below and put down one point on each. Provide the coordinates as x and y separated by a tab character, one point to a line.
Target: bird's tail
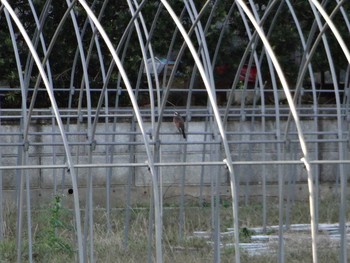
183	133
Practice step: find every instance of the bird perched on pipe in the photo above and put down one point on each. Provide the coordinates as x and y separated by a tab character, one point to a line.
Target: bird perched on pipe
179	123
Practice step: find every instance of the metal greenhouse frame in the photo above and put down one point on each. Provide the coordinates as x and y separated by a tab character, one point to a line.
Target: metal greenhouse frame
101	122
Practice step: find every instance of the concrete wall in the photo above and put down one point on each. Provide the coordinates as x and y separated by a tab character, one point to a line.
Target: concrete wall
247	142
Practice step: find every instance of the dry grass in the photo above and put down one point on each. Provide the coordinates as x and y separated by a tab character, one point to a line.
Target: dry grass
109	246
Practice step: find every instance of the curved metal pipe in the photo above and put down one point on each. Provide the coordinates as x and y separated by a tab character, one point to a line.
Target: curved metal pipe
314	98
251	46
86	81
308	55
95	42
296	118
124	39
172	75
20	158
144	51
59	122
334	29
343	238
39	26
277	117
47	55
30	63
218	122
140	123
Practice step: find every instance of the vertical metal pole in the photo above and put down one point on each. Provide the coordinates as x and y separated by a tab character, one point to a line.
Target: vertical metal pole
109	150
19	225
159	153
60	124
280	176
19	179
213	104
29	216
217	178
287	171
130	179
1	186
183	155
150	230
89	210
201	183
154	176
296	118
263	149
343	178
54	171
181	206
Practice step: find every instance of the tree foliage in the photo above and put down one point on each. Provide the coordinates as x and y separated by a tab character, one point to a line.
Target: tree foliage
282	33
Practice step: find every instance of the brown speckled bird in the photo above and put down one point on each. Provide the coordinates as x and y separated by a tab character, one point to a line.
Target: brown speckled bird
179	123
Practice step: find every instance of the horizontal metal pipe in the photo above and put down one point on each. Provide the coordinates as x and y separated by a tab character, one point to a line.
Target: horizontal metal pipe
87	143
214	163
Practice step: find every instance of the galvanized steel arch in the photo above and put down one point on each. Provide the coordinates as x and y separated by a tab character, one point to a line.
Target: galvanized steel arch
70	165
216	121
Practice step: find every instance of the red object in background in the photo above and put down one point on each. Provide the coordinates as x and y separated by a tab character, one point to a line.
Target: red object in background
221	69
252	73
